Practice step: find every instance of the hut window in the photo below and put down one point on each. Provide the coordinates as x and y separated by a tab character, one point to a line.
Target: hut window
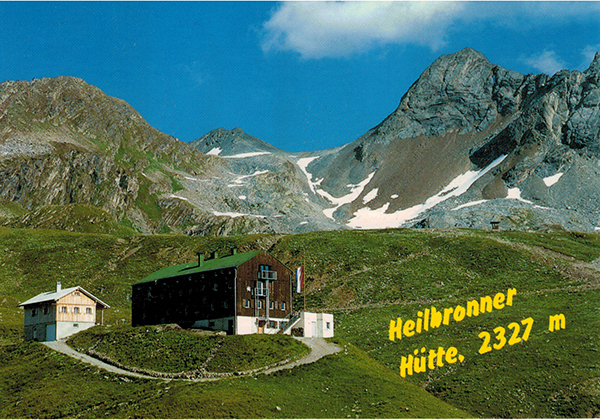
271	305
63	309
225	304
272	324
328	325
88	311
246	303
76	310
283	306
46	310
75	293
75	325
260	304
33	312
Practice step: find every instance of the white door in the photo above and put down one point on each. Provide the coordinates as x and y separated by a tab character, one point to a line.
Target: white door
313	329
51	332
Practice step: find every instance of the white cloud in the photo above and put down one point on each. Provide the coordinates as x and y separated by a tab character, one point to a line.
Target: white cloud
337	29
546	61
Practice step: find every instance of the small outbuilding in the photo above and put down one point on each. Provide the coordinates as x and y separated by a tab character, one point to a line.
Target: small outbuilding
55	315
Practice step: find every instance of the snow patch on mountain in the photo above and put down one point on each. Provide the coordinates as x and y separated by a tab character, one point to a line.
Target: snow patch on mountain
240	179
371	195
551	180
235	214
303	164
178	197
215	151
355	192
247	155
469	204
515	194
366	218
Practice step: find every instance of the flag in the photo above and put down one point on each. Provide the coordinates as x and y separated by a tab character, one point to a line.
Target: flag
299	279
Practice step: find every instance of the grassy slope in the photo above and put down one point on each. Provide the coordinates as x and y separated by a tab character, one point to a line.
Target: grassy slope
33	260
550	375
367	279
177	351
36	382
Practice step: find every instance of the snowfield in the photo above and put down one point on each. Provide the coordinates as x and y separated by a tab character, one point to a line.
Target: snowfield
215	152
551	180
240	179
366	218
303	164
355	192
515	194
469	204
246	155
370	196
234	214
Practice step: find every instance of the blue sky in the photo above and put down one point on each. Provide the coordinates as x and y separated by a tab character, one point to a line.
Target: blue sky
299	75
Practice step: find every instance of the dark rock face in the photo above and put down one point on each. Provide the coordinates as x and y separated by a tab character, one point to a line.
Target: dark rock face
461	92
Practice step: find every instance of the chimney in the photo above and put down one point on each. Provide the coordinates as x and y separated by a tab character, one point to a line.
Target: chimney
200	259
215	255
58	287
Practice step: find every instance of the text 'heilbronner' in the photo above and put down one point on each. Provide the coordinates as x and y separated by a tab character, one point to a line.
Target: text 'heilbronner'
432	318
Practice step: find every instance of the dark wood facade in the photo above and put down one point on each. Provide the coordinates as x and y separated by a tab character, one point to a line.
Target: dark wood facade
254	285
277	303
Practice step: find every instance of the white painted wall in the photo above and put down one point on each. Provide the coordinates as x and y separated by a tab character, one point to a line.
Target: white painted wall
326	322
317	324
243	325
246	325
67	328
249	325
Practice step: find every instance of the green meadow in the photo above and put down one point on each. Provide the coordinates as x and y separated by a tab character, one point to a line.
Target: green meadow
367	279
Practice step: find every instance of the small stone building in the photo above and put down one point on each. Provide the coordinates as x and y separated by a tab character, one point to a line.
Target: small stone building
55	315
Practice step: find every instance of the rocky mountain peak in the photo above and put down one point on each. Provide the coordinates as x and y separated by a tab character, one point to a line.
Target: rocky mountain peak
461	92
594	67
231	142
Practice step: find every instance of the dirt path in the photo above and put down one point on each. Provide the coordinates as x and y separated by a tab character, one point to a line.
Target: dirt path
319	348
62	347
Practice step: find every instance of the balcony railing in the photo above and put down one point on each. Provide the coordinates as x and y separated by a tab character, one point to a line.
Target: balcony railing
261	291
267	275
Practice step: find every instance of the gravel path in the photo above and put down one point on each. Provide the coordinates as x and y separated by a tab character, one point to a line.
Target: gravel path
62	347
318	346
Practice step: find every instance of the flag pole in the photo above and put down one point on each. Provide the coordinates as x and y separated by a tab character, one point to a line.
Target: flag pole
304	280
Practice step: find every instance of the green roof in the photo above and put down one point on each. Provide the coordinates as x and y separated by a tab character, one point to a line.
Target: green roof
209	265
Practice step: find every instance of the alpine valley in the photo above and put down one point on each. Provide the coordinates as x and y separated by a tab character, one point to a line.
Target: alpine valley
470	143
